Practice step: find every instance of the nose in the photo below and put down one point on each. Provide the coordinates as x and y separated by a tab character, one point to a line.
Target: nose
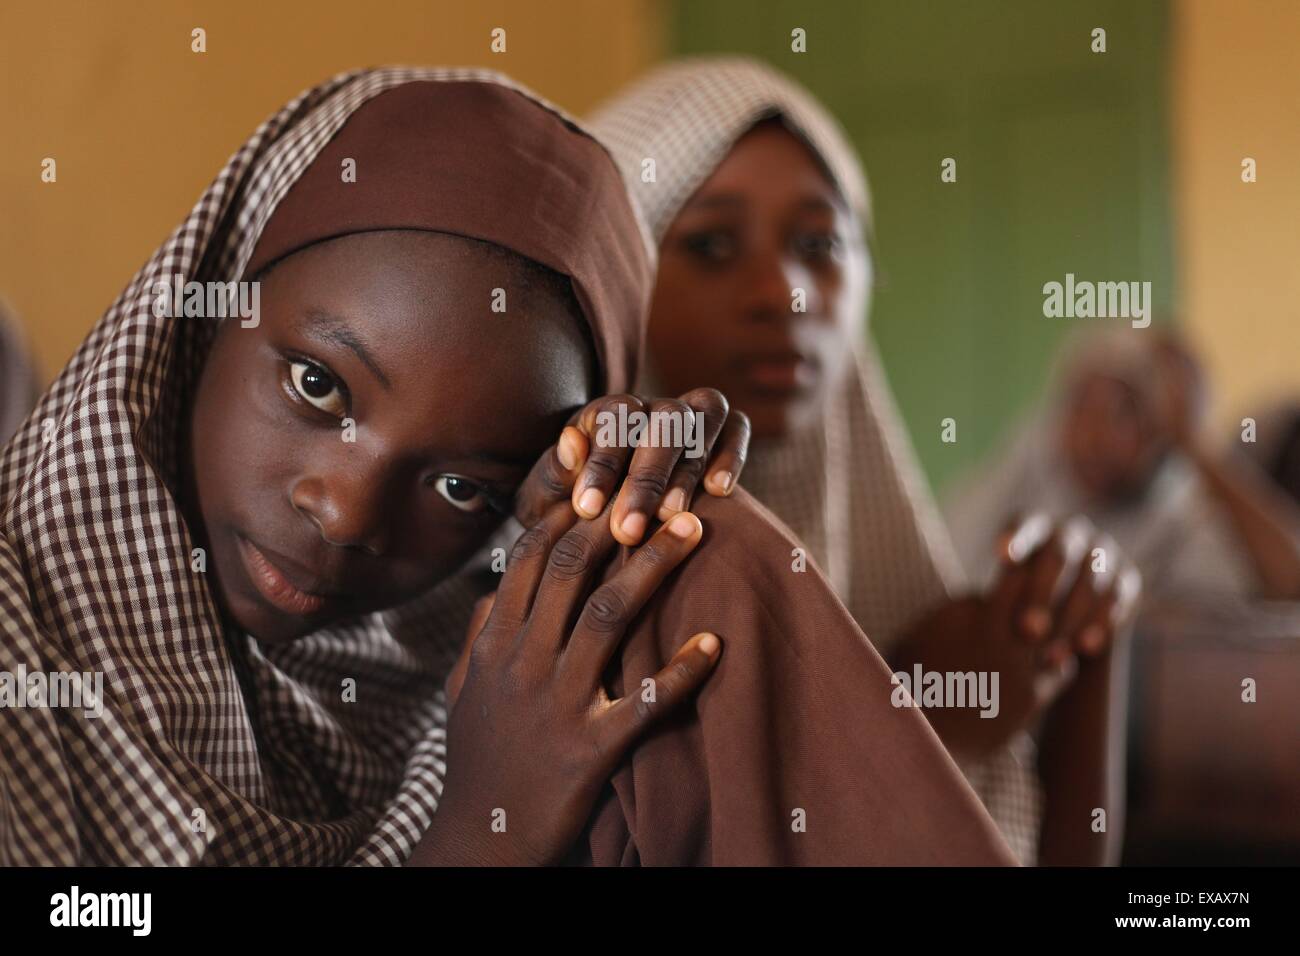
779	286
347	506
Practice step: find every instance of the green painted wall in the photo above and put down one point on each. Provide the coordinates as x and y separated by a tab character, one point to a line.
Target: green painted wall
1062	166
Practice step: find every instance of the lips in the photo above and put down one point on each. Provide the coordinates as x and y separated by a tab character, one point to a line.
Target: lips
274	585
783	372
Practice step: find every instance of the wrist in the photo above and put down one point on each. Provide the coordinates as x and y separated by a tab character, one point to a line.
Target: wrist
455	839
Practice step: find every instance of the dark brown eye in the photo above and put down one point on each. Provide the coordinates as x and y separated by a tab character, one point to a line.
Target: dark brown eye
318	387
461	492
817	246
711	247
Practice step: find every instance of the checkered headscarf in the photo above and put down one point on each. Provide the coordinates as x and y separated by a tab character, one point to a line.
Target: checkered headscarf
210	748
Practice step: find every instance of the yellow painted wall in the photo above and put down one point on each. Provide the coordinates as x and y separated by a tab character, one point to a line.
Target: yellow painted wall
1236	93
139	125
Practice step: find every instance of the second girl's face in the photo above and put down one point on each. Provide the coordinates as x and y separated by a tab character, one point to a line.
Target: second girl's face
451	403
764	231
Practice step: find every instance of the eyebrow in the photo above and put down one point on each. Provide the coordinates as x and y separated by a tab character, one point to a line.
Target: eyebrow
818	203
331	329
736	201
506	461
717	201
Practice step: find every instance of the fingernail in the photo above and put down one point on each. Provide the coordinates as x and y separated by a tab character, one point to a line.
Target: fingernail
710	644
633	525
684	526
567	454
722	481
1093	638
1037	621
592	502
676	500
1032	533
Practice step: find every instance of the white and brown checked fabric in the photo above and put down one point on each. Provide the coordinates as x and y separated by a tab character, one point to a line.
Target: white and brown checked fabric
210	748
851	488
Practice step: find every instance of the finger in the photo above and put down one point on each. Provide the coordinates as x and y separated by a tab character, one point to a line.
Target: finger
628	717
1089	602
573	563
478	617
608	452
711	414
1033	618
456	679
552	478
1096	634
671	423
1088	595
1055	568
615	603
1020	540
527	564
728	460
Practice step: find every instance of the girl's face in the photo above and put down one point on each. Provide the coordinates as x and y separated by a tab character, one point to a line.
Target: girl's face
765	225
308	521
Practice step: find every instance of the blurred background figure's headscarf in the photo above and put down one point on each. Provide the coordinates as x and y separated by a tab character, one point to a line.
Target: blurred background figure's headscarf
18	389
1171	530
200	745
849	487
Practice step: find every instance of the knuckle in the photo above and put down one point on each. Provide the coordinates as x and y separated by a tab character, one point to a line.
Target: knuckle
607	609
531	543
642	709
683	672
708	400
656	552
572	556
691	468
649	483
612	403
605	463
672	406
480	650
551	481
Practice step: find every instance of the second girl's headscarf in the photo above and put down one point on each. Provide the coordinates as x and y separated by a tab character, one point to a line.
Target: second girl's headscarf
850	487
187	744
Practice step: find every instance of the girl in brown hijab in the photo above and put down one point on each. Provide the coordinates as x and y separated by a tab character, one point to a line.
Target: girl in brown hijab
761	211
265	535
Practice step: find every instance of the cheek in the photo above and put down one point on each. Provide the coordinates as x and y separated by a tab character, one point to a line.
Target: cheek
836	300
691	325
240	436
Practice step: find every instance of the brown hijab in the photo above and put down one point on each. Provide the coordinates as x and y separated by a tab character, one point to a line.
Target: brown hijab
793	752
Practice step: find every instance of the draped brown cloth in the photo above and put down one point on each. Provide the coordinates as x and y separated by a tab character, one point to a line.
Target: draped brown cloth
793	753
